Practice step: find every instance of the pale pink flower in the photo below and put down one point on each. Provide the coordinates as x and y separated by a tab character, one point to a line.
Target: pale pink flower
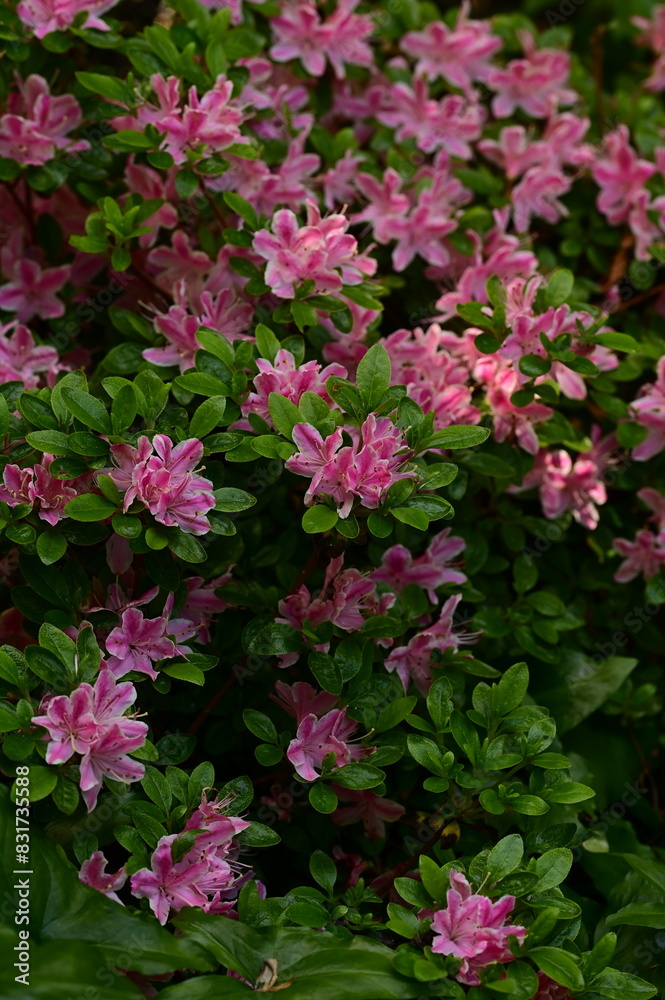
33	291
301	699
645	555
321	251
339	181
163	478
461	55
537	194
653	36
567	483
316	738
170	886
450	124
372	809
414	661
287	379
46	16
474	928
388	204
563	140
37	123
620	174
649	411
509	420
363	471
180	262
398	567
92	722
93	873
535	84
655	501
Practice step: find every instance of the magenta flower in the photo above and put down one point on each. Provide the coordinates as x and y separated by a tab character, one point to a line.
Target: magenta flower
549	990
300	700
45	16
162	477
93	873
620	174
316	738
92	722
388	205
398	568
649	411
653	36
474	929
137	642
509	419
414	661
32	291
535	84
36	124
373	810
450	124
363	471
167	885
321	251
283	376
461	55
201	605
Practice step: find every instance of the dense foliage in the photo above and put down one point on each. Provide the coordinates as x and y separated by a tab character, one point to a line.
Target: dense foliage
332	402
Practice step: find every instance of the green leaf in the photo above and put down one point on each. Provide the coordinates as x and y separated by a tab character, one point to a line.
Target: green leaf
49	442
87	409
124	408
187	547
185	672
284	414
319	518
582	686
569	792
266	342
615	985
324	870
202	384
207	416
459	436
558	289
373	375
258	835
230	499
105	86
8	718
322	798
358	776
651	870
505	856
559	965
42	782
51	546
326	671
260	725
639	915
90	507
552	868
533	365
242	208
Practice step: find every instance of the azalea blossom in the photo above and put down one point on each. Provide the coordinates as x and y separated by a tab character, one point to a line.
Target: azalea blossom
37	122
399	569
549	990
342	38
414	661
316	738
321	251
461	55
649	411
301	699
46	16
91	722
365	805
535	84
93	873
362	471
23	360
163	478
645	555
289	380
32	291
137	642
474	929
46	493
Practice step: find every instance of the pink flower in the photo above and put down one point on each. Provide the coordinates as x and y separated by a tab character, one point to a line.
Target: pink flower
316	738
180	262
36	486
93	873
509	419
565	483
620	174
645	555
653	36
212	121
300	700
91	722
655	501
414	661
549	990
430	570
202	604
363	471
342	38
388	204
537	195
206	875
536	83
32	291
460	55
373	810
474	929
450	124
136	642
45	16
36	124
353	863
284	377
321	251
422	361
163	478
649	411
22	359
